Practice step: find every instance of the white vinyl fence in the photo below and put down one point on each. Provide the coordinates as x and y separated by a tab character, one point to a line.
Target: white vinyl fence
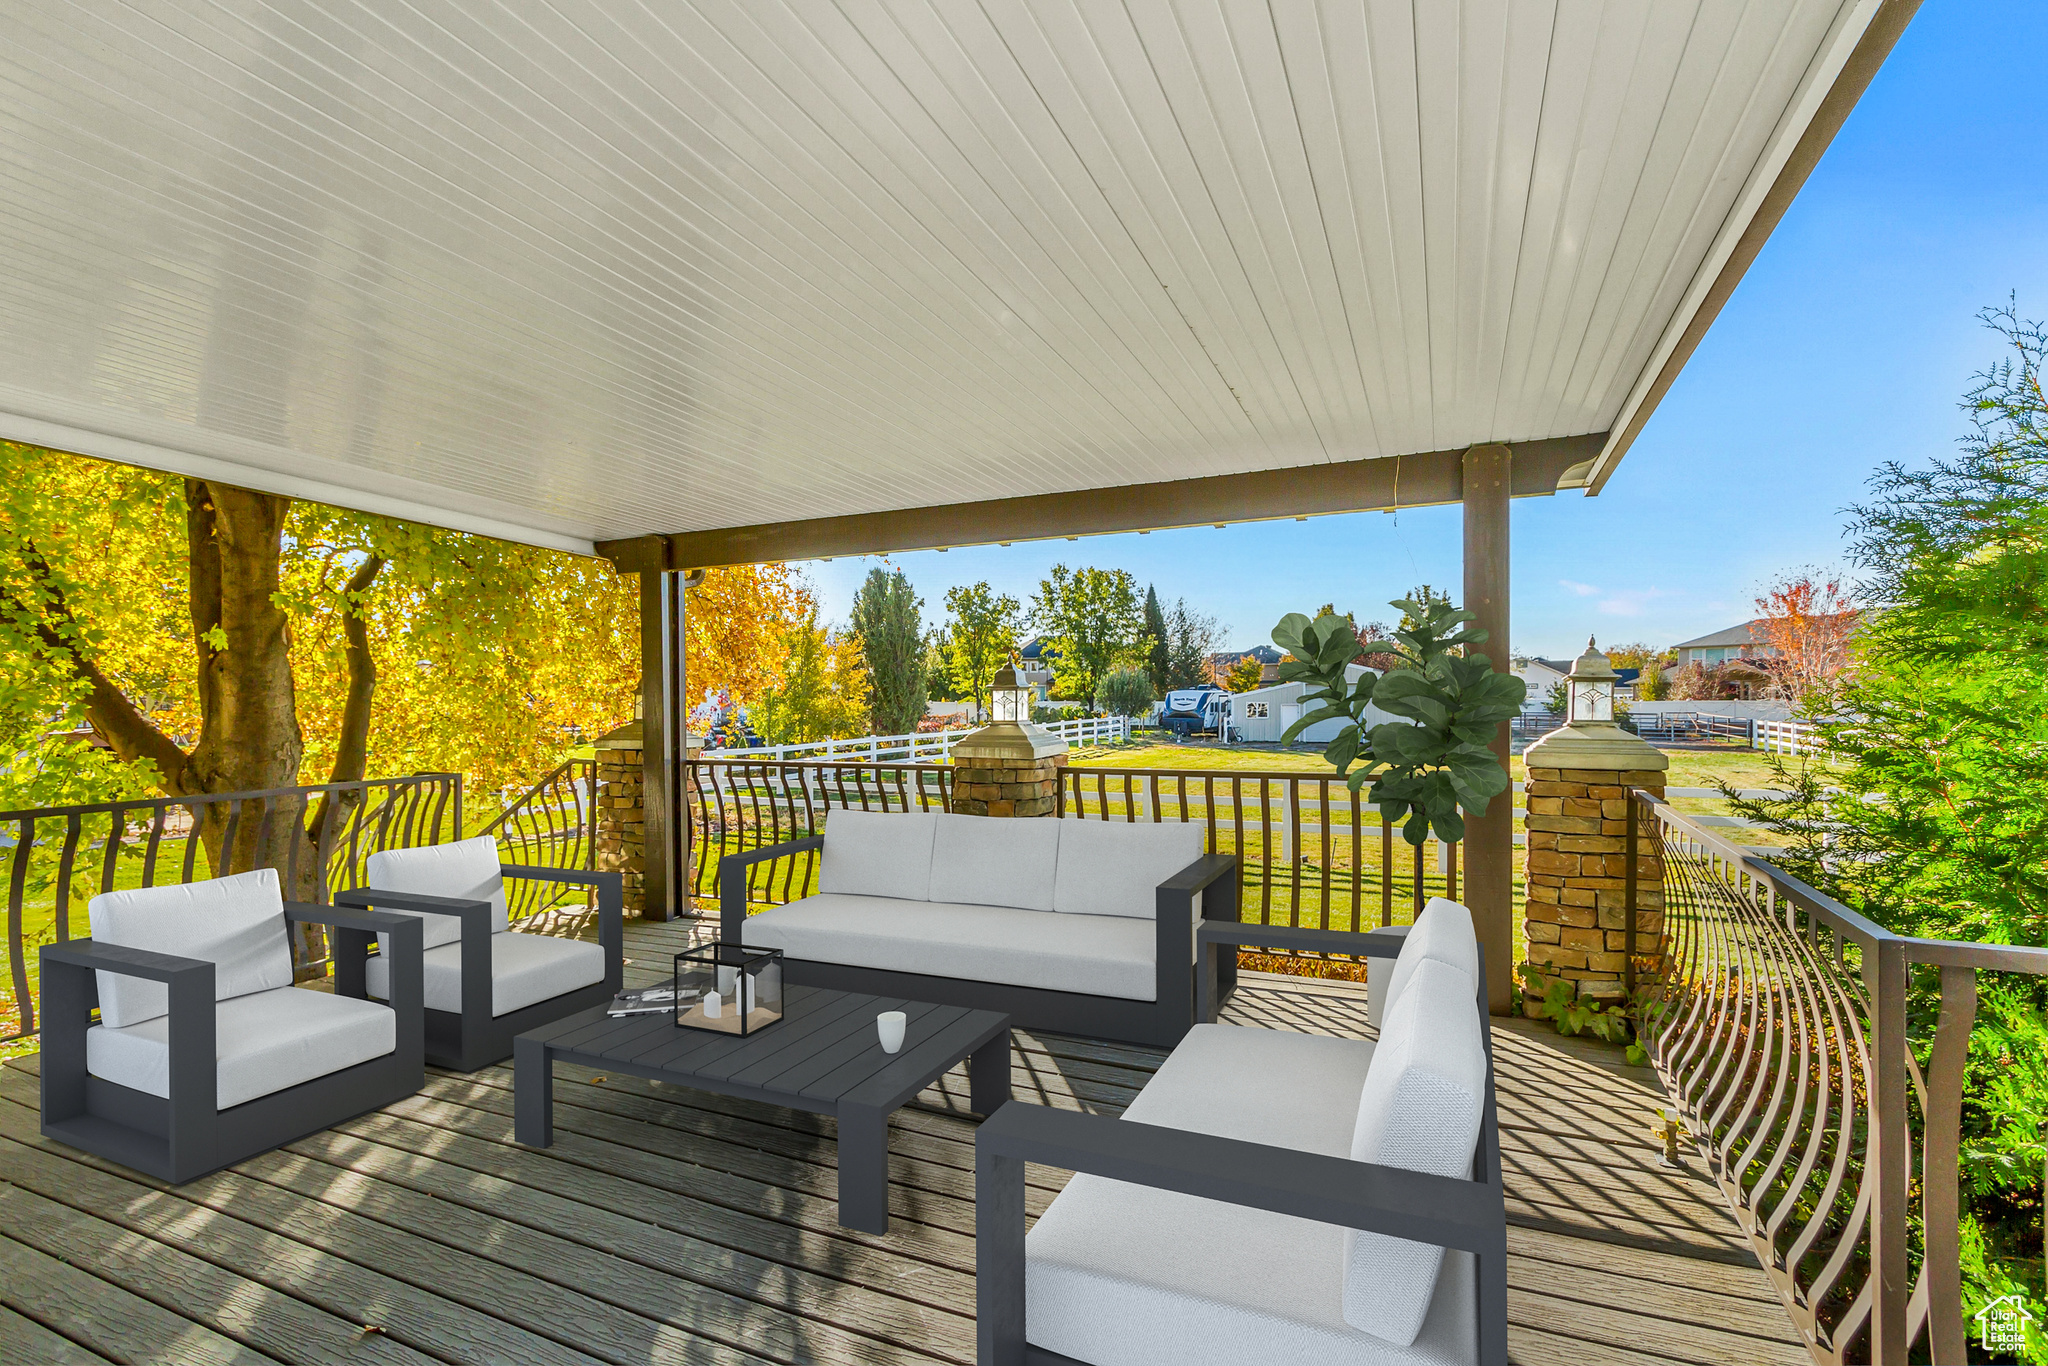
934	745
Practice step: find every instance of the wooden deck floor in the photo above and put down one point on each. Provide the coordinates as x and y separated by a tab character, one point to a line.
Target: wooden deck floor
672	1226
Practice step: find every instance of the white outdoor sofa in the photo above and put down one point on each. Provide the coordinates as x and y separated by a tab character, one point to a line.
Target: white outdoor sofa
1084	927
1269	1196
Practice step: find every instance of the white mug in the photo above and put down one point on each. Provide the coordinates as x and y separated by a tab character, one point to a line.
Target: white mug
889	1024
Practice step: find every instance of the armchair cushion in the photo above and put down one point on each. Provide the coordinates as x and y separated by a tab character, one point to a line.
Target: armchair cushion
1125	1275
237	922
878	853
466	870
1100	956
1420	1109
265	1041
526	969
1442	932
1115	868
977	861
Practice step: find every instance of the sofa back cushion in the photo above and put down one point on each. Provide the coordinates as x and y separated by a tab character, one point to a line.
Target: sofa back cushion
879	853
1115	867
237	922
993	861
1421	1110
466	870
1442	932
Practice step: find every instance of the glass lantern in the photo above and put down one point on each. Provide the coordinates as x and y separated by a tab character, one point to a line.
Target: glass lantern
1010	700
1592	688
728	988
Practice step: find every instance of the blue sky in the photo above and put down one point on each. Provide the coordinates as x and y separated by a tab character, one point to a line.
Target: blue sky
1847	344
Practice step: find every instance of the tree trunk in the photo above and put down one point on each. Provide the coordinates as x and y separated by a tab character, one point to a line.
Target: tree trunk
249	737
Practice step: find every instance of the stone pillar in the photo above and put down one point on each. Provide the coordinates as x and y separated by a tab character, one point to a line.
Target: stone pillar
622	811
1575	917
1576	795
1007	786
1008	768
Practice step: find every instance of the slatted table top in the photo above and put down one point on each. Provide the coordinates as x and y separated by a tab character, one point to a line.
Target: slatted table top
823	1051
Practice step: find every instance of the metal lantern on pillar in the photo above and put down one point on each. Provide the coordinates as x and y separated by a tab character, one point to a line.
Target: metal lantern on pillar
1009	699
1591	683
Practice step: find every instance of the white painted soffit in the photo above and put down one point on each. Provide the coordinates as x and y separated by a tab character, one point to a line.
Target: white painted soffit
585	270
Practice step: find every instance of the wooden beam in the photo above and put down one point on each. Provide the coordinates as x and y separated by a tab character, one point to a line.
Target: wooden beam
1490	838
1432	477
1871	49
665	831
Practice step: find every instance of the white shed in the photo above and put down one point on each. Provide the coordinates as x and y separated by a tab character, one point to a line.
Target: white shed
1264	713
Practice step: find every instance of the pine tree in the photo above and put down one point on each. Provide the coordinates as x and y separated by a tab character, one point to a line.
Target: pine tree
892	643
1159	662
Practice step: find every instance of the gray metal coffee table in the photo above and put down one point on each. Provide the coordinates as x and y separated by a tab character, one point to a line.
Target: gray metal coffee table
823	1056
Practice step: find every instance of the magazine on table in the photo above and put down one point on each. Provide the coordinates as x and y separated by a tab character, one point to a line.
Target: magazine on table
654	1000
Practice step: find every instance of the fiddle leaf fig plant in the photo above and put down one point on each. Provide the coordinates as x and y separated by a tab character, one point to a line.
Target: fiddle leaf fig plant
1423	770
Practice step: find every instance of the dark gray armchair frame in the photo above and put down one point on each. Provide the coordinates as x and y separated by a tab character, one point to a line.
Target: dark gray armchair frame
466	1040
1161	1021
1468	1215
187	1135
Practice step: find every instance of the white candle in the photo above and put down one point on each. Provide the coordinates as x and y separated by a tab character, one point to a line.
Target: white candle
712	1005
889	1024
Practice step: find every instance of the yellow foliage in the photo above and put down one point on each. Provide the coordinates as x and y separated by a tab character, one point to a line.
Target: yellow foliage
493	660
823	691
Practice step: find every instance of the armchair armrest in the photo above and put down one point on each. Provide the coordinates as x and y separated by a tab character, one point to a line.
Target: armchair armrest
1199	874
1469	1215
732	880
349	950
69	991
417	902
1213	878
476	941
611	909
147	963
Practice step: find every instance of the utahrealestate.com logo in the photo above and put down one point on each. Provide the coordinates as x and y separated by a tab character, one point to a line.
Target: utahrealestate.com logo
2002	1324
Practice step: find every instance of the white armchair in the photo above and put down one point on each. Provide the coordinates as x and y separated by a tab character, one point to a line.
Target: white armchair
205	1052
486	982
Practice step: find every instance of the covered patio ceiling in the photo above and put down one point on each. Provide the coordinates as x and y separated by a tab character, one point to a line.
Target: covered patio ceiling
580	271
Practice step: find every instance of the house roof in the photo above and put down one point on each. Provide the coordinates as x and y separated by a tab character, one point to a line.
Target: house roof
1745	634
588	272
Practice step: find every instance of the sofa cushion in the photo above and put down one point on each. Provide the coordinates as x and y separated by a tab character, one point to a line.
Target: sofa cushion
1442	932
878	853
1093	955
466	870
985	861
265	1041
1124	1275
525	969
235	922
1420	1109
1115	868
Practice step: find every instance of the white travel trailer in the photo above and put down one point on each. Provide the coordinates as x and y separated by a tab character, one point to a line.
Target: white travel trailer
1264	713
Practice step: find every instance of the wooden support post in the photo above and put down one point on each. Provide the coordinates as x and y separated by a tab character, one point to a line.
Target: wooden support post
1490	839
662	709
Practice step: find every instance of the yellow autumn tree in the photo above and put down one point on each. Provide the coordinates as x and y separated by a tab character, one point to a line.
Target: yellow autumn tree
405	647
823	690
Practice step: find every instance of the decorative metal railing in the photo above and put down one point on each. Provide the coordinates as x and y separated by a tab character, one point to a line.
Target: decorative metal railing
1780	1027
552	825
317	837
1311	853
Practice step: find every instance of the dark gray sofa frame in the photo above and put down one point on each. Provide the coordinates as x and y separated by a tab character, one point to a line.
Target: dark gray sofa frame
1161	1021
185	1136
472	1038
1470	1216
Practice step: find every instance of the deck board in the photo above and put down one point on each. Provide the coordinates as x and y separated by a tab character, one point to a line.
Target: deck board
673	1225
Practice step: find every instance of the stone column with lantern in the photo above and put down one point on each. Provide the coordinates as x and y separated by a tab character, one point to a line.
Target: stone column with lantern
1577	798
1011	766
